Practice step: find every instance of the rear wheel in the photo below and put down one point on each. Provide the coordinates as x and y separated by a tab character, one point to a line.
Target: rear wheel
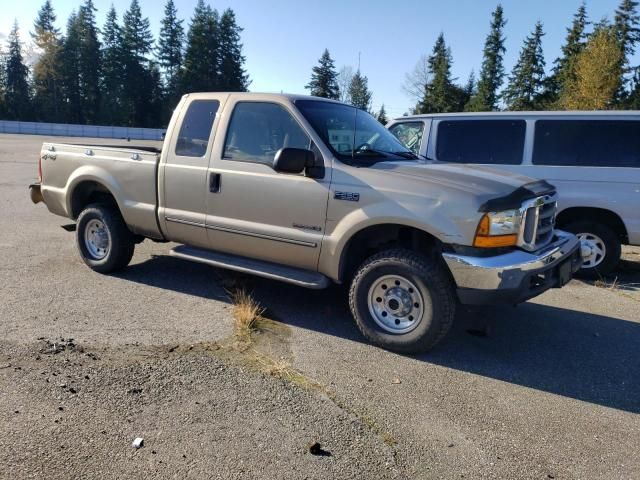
601	245
104	241
402	301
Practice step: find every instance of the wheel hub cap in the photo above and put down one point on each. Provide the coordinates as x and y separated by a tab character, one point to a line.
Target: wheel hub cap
96	239
593	249
396	304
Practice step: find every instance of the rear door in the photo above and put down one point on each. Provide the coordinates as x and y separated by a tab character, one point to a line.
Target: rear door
252	210
183	179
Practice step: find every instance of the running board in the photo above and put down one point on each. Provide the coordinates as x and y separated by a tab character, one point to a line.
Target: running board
274	271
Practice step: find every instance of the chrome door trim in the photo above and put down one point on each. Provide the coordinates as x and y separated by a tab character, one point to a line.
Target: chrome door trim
243	232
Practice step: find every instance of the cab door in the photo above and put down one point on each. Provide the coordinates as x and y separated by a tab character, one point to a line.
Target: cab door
252	210
183	178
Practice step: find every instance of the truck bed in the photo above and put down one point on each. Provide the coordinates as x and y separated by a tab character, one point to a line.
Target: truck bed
128	172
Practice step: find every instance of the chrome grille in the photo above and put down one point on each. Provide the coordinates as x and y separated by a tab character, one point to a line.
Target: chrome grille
539	221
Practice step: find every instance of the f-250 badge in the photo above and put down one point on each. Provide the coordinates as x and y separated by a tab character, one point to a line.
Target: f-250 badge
348	196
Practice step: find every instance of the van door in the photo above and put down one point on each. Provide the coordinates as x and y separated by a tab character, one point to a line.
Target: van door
254	211
183	177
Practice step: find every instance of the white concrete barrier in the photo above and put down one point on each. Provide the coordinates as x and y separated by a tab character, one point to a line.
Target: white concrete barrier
70	130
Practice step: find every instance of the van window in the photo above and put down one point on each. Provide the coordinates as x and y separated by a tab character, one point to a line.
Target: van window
196	128
481	141
587	143
410	134
258	130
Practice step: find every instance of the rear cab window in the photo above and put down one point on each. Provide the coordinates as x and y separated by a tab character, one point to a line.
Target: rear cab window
587	143
195	130
492	142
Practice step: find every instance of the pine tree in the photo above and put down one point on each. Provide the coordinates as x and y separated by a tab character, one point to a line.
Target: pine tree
89	64
564	69
3	81
233	77
170	50
627	27
17	94
359	93
111	111
324	78
597	73
526	82
382	115
70	71
492	72
46	73
138	78
202	57
440	94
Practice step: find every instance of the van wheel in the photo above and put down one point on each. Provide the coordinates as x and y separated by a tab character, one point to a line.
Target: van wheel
604	246
402	301
104	241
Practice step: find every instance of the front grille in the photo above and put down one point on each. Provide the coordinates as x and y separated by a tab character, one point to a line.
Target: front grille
539	221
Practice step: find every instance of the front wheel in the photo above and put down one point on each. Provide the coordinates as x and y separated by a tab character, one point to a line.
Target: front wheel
104	241
602	246
402	301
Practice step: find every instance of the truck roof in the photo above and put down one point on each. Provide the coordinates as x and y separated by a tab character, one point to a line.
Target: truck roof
575	113
266	95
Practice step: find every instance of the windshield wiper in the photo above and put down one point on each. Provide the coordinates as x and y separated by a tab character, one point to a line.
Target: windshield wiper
368	151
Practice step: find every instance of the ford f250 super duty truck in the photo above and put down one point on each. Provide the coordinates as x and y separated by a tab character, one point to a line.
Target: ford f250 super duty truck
311	191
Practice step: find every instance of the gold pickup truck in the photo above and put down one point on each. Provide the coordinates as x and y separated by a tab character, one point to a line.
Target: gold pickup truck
311	191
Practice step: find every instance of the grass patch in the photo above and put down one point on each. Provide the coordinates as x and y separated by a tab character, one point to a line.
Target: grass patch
247	313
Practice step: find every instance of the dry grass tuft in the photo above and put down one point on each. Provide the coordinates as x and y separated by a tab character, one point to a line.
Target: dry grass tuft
246	312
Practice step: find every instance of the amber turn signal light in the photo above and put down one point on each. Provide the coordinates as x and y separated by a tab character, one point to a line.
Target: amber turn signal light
484	240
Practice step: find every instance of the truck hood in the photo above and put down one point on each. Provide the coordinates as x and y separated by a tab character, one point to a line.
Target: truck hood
482	182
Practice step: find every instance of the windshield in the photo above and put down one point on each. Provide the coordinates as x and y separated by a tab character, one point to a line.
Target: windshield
353	135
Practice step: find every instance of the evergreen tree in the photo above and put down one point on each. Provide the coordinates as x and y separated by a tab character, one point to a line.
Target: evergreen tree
633	99
492	72
440	94
89	64
233	77
170	50
527	78
3	82
324	78
70	71
202	57
111	111
597	73
359	93
564	69
17	95
139	80
382	115
46	72
627	27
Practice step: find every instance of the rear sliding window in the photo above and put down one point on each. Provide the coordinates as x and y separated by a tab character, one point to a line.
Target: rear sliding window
481	141
587	143
196	128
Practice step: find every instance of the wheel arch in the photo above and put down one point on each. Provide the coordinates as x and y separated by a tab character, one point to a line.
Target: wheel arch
372	239
88	191
594	214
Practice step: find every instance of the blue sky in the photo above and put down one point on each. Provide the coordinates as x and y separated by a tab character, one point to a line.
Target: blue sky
284	38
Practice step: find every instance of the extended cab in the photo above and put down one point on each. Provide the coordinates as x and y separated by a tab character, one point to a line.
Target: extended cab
312	191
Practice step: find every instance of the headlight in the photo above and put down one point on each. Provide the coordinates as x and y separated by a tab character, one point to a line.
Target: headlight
498	229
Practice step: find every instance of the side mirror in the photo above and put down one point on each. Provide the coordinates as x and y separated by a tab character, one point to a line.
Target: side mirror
293	160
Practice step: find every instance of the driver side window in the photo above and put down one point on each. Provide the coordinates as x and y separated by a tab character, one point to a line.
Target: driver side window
258	130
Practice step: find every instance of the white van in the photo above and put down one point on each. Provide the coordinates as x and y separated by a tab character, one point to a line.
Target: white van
593	158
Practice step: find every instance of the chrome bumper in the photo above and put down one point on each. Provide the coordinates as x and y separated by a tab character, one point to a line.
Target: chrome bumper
515	276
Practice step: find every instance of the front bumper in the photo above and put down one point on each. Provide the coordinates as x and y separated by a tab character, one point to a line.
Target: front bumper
35	193
516	276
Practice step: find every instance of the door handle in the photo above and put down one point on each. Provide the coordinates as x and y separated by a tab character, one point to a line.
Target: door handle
214	182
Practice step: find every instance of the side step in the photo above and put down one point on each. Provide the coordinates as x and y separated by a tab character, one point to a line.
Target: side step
274	271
